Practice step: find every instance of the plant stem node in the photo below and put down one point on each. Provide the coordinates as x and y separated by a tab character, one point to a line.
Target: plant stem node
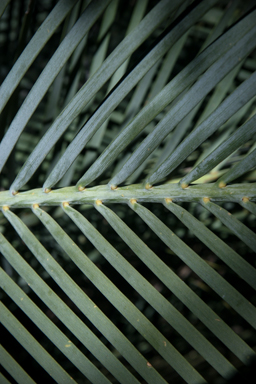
65	204
133	201
222	184
81	188
206	200
168	200
98	202
184	185
246	199
5	208
47	190
35	206
148	186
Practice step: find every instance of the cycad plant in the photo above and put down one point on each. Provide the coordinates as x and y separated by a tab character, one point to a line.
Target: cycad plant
127	196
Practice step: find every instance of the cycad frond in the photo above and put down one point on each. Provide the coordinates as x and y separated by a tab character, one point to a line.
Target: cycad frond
123	237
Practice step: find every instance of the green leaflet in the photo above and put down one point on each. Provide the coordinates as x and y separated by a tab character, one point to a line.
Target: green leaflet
82	332
174	318
33	347
223	288
54	66
37	43
239	137
95	82
168	94
244	233
230	257
119	93
177	286
50	329
216	72
14	369
239	169
117	298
